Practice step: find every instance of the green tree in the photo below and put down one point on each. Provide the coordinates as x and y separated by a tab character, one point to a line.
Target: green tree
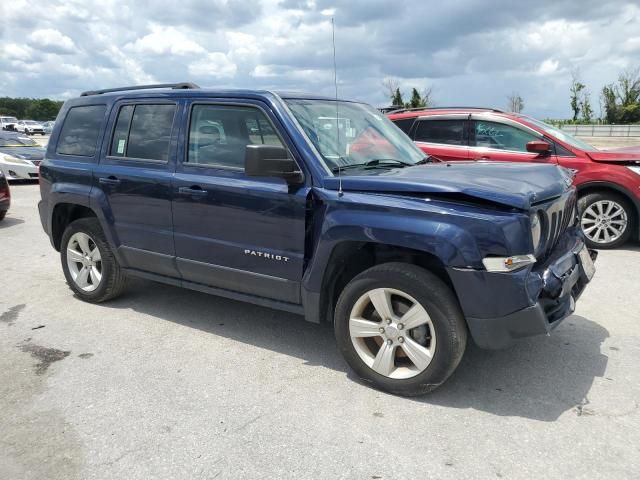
585	106
622	100
576	88
397	99
416	100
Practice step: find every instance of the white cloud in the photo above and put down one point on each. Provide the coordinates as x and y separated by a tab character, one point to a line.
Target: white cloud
216	65
48	39
165	40
548	67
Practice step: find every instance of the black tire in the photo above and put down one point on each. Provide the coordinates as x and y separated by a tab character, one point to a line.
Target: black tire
3	214
588	200
439	302
113	280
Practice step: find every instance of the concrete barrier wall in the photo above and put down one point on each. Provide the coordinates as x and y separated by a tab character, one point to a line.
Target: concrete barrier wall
603	130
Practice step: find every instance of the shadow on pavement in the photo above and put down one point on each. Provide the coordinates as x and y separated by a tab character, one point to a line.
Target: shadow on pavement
538	378
10	221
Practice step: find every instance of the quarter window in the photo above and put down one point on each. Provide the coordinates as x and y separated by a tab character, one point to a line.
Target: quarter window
79	134
501	136
143	131
449	132
218	135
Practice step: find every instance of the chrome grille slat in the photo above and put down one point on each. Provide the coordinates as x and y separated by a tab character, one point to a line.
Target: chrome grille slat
559	216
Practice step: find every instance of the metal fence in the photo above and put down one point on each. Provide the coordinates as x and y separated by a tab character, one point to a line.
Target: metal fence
603	130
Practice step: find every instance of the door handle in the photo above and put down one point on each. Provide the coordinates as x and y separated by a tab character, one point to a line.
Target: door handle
110	180
482	158
192	191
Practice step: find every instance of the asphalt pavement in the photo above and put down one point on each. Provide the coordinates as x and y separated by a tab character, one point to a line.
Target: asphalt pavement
166	383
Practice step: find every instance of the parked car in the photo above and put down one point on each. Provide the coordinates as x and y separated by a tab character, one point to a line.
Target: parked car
5	195
29	127
19	156
48	127
404	257
608	182
8	123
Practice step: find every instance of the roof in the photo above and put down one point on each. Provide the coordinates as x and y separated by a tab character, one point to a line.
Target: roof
419	112
191	89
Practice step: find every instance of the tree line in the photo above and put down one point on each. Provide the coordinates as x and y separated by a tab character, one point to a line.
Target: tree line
619	101
41	109
417	100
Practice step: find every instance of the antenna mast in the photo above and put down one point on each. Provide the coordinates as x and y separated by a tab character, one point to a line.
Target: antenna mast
335	84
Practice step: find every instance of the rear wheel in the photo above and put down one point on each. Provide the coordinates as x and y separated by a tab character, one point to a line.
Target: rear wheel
400	328
3	214
91	270
607	219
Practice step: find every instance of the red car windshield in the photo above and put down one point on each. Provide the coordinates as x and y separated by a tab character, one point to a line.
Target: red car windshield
561	135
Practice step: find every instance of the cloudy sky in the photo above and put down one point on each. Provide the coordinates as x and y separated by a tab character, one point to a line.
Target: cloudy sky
470	52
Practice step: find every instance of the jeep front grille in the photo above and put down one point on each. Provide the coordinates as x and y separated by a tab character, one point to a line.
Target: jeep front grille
560	214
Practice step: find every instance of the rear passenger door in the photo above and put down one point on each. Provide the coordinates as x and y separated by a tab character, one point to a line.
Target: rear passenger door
232	231
134	182
444	138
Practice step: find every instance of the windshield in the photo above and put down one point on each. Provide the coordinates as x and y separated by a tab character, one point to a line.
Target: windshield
30	122
9	119
562	135
354	134
17	142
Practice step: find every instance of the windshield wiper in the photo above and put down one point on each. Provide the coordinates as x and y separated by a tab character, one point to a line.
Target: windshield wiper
385	162
375	163
428	159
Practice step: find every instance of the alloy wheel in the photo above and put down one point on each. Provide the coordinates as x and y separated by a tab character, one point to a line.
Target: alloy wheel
604	221
392	333
84	261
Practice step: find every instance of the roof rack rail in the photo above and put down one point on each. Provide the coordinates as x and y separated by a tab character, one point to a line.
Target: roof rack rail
175	86
417	109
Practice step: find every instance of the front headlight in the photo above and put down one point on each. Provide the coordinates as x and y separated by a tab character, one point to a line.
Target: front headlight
634	168
536	231
14	160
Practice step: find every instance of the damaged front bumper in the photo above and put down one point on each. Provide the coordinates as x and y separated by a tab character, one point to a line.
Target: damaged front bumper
552	288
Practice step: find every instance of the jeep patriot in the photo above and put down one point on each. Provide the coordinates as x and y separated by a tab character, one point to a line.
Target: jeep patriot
316	206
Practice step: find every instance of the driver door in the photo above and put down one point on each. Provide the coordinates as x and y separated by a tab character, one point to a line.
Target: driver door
232	231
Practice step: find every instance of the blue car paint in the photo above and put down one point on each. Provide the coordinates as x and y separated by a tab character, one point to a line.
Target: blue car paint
458	214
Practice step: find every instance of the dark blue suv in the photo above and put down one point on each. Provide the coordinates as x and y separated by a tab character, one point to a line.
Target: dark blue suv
318	207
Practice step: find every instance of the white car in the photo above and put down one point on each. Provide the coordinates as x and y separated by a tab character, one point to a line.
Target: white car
30	127
15	168
8	123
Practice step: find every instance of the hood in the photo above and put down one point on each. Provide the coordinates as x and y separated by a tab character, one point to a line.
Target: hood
516	185
28	153
626	154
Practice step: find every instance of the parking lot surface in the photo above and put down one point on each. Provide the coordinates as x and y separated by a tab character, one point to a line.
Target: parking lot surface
169	383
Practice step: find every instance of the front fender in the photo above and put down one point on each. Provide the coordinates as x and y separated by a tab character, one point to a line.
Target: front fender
458	235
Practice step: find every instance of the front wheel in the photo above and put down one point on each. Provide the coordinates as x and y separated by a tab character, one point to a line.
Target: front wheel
400	328
607	219
91	270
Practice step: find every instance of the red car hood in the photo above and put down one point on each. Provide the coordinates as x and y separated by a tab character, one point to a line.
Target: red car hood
626	154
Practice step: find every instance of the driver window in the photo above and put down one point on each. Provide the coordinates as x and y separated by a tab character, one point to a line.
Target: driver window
218	134
501	136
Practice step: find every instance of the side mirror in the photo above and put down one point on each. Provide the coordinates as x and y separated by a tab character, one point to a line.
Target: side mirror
538	146
271	161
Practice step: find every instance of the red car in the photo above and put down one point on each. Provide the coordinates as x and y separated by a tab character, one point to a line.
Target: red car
608	182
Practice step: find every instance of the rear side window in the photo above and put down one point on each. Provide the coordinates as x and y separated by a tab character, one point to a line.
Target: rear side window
450	132
79	134
404	124
143	131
